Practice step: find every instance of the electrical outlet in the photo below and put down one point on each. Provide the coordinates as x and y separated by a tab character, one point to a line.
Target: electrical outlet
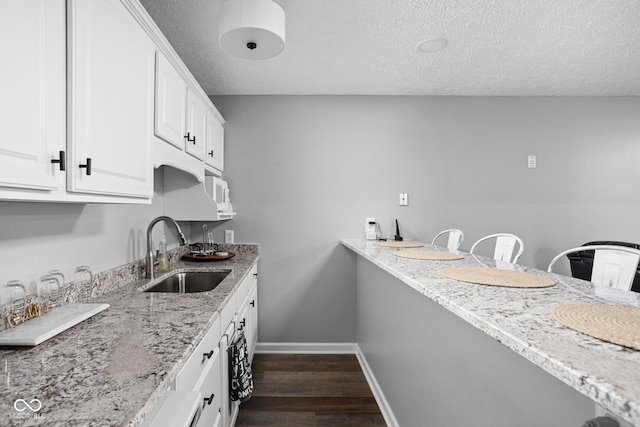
228	236
370	228
404	199
531	161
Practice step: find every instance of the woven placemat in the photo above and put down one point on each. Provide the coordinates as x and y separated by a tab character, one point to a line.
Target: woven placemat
617	324
495	277
394	244
428	255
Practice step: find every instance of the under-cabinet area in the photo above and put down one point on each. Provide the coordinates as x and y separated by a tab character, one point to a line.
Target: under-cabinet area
145	351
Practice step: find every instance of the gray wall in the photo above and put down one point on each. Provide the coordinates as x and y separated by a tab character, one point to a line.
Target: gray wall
305	171
38	237
437	370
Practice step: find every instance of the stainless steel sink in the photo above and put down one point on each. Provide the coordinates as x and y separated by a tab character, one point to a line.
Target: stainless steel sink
189	282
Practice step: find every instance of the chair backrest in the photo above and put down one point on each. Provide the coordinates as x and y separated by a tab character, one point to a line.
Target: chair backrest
455	238
613	266
505	245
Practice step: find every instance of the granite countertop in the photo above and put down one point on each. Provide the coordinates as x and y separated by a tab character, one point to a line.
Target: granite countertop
111	369
520	319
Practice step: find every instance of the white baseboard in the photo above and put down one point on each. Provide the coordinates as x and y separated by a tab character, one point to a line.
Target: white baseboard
383	404
310	348
336	348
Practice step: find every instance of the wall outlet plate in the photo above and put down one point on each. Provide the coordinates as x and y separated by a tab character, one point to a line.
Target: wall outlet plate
370	228
228	236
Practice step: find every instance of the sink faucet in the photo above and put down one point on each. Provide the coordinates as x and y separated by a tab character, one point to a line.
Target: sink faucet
149	256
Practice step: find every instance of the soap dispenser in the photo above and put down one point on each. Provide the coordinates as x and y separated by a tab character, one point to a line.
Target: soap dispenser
163	258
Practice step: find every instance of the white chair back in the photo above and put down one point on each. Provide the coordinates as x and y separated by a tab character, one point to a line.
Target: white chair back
613	266
505	246
455	238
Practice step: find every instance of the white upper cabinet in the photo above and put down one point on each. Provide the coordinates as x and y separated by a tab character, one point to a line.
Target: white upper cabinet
171	103
32	104
215	142
187	122
112	78
196	125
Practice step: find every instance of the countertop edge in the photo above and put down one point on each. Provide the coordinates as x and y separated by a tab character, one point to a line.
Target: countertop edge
599	391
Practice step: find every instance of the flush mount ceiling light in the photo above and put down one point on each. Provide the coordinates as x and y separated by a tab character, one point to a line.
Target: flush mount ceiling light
251	29
430	46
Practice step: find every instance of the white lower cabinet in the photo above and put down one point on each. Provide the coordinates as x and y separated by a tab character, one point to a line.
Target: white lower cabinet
202	373
252	319
236	315
207	369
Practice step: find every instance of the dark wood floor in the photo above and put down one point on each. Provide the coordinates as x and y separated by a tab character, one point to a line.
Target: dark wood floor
309	390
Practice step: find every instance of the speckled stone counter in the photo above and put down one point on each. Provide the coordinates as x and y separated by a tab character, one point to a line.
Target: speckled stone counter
520	319
111	369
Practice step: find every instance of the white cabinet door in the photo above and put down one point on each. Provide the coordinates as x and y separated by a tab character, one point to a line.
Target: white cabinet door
210	387
32	83
112	70
171	103
252	322
215	142
196	125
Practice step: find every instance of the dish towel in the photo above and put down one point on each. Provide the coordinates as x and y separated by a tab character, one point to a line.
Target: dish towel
240	377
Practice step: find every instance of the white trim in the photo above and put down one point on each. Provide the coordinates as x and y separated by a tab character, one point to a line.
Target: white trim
383	404
310	348
336	348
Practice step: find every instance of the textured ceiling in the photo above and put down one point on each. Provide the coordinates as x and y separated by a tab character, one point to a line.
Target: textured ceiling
495	47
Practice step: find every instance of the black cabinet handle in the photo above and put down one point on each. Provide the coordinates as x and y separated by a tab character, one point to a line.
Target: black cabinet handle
211	153
255	275
189	139
243	322
86	166
208	355
252	303
61	161
209	400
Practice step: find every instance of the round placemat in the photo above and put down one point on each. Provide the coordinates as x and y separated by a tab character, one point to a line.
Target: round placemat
495	277
617	324
428	255
394	244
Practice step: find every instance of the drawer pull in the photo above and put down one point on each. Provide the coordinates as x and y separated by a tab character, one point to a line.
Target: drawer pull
252	303
60	161
207	355
86	166
209	399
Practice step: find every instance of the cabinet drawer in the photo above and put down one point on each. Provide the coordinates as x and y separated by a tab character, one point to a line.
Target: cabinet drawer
199	361
210	387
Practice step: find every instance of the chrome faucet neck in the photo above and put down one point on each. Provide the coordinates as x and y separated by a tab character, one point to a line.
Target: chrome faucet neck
149	274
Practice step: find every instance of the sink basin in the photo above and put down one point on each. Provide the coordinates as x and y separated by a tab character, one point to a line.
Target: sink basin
189	282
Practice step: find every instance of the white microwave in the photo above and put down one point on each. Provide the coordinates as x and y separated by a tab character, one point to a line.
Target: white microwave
219	192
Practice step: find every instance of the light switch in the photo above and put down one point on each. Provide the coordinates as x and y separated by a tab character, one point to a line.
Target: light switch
404	199
531	161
